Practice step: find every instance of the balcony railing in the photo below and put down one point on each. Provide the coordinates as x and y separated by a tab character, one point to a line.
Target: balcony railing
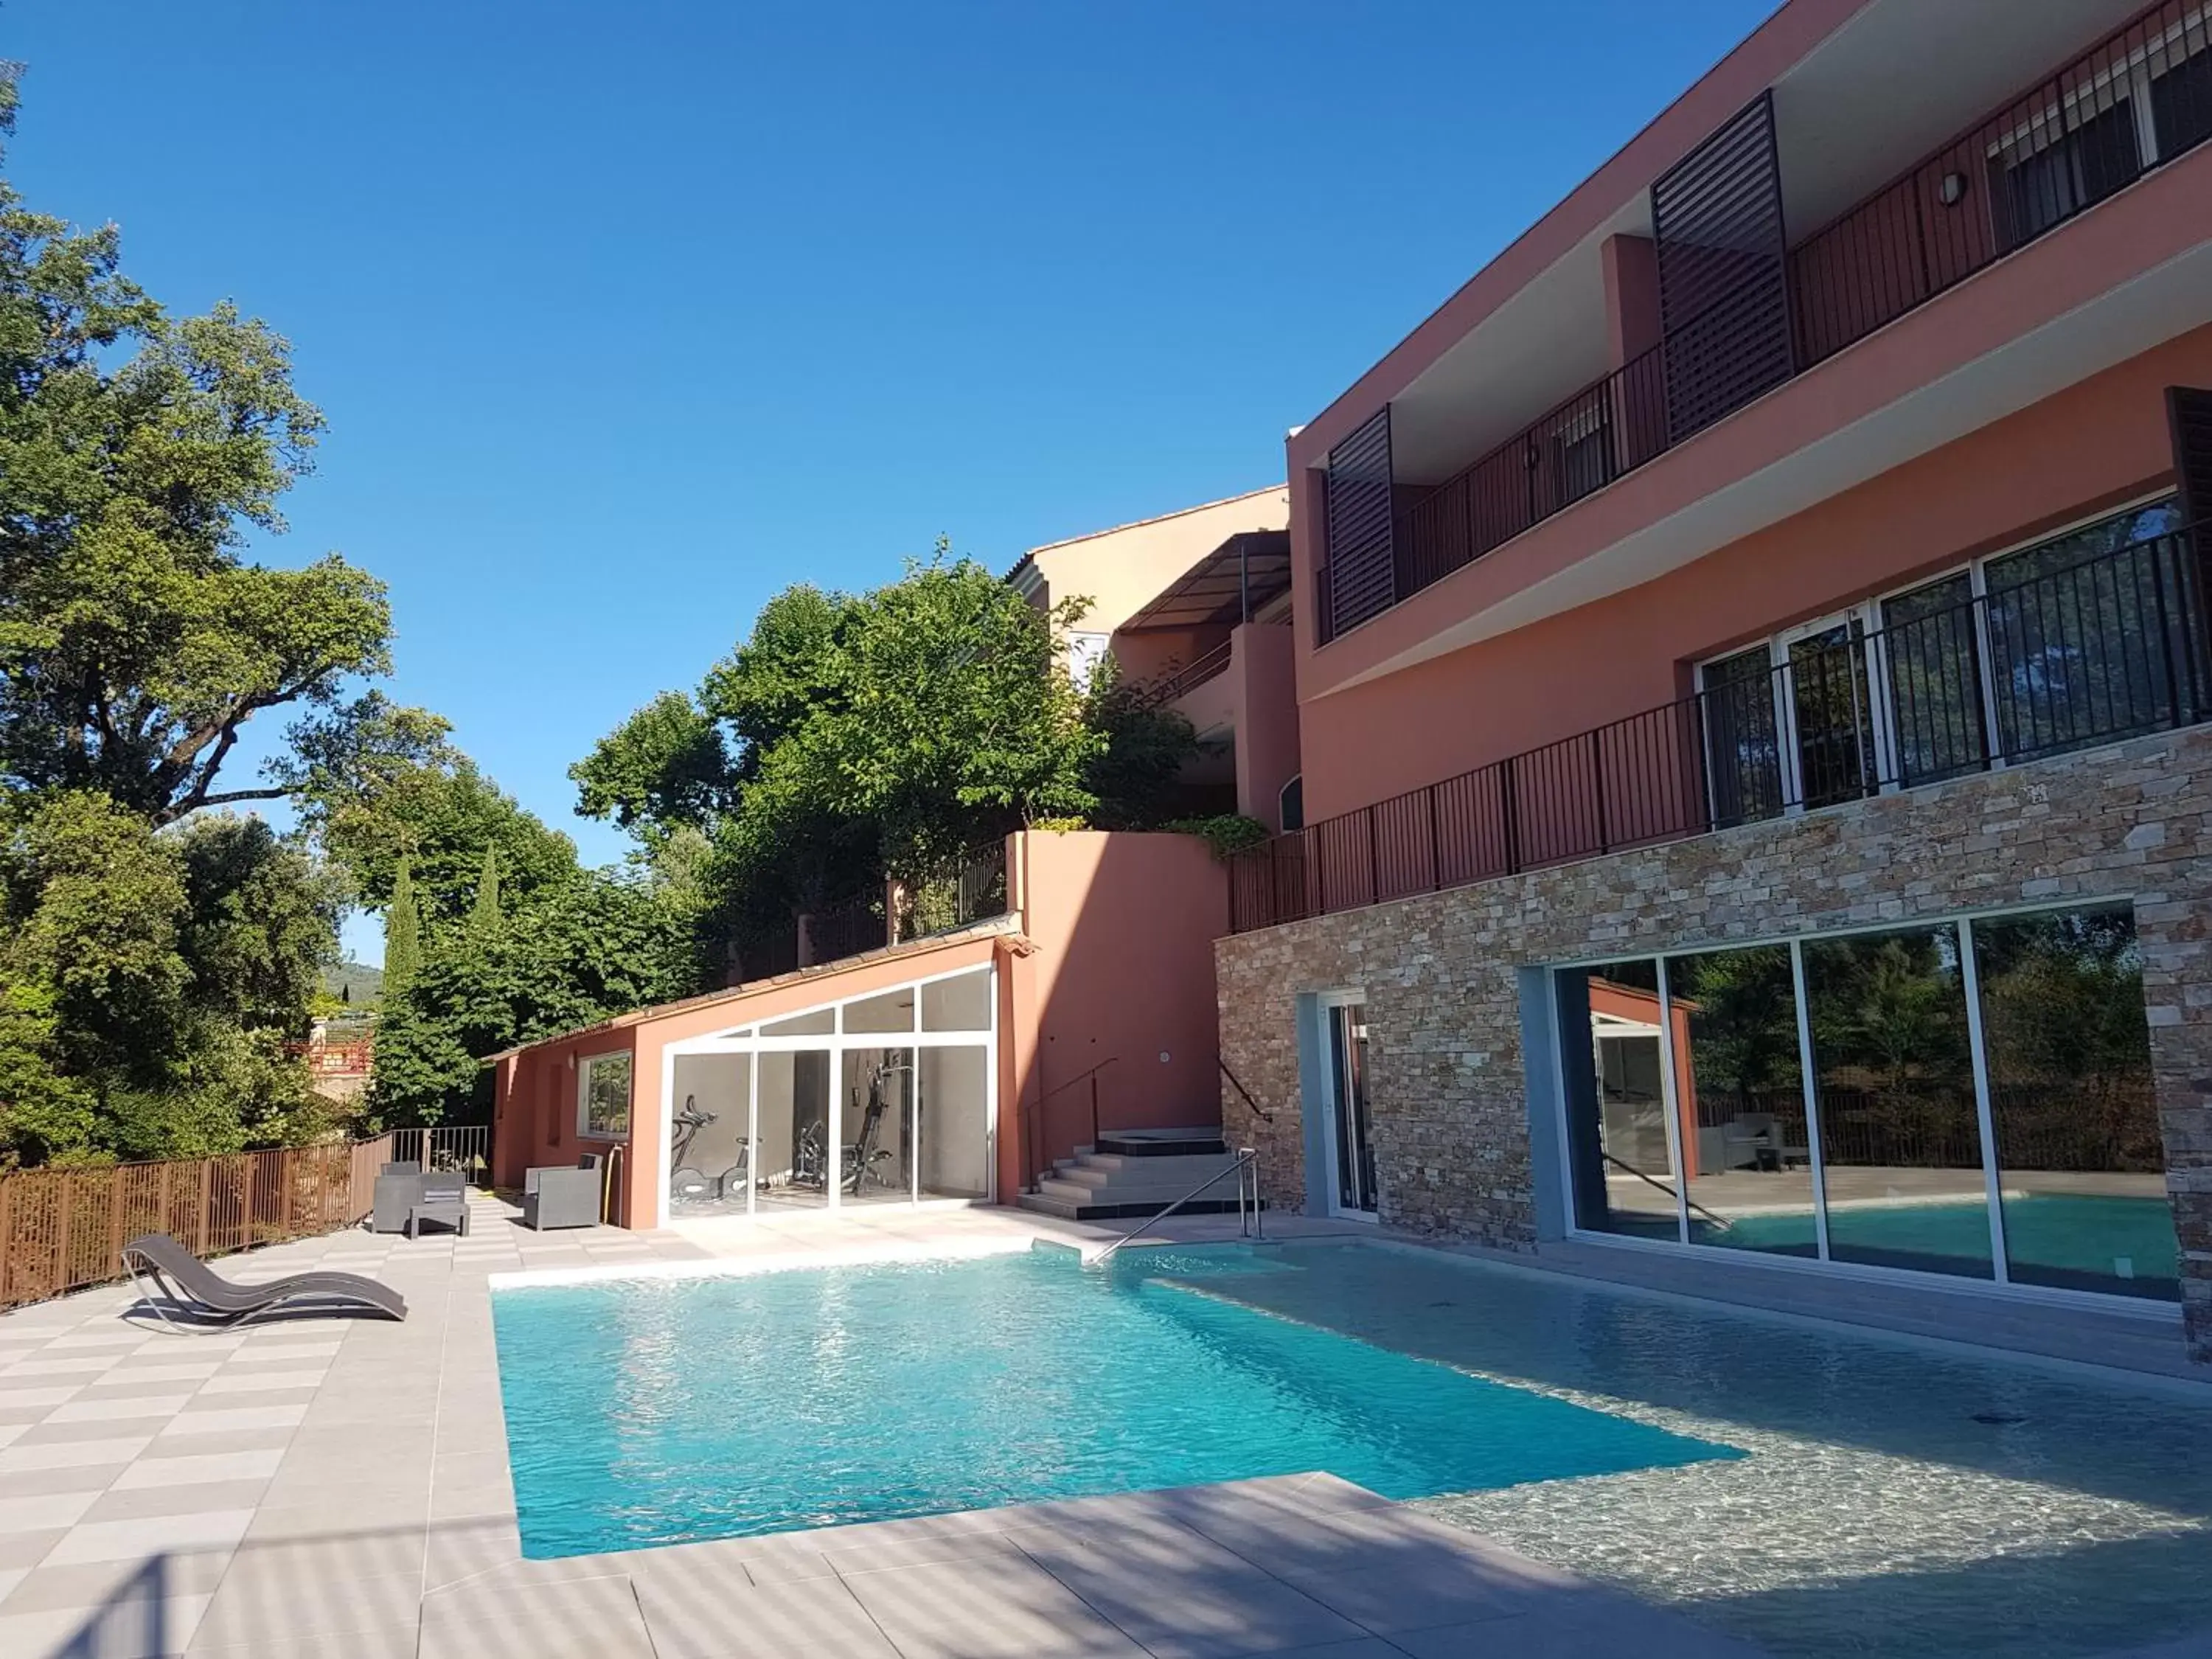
2138	100
1209	664
2110	648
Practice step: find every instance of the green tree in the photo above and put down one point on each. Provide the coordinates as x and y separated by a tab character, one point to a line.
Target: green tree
664	768
402	926
485	917
597	946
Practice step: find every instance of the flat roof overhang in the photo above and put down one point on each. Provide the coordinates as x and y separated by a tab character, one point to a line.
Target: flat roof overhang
1244	573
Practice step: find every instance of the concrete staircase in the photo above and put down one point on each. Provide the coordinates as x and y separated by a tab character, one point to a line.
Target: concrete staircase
1138	1172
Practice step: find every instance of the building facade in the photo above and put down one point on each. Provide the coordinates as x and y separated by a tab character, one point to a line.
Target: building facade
1752	666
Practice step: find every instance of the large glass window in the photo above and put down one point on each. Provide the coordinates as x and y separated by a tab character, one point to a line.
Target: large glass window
2079	1161
1743	752
1741	1095
1617	1101
952	1116
1981	1101
1893	1079
795	1156
877	1162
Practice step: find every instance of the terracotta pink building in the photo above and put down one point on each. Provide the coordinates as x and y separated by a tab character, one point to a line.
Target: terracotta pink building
1771	594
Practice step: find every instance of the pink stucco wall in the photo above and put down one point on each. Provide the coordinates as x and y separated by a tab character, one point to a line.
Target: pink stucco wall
1263	665
2097	443
1124	926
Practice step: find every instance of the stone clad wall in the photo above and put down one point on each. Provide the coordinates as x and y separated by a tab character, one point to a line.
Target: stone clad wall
1446	1081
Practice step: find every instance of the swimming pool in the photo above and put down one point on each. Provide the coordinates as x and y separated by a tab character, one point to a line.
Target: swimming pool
643	1412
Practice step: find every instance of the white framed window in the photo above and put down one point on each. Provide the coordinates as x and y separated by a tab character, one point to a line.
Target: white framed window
1085	653
603	1095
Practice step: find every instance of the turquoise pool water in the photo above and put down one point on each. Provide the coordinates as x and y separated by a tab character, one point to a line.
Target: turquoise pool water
2075	1241
645	1413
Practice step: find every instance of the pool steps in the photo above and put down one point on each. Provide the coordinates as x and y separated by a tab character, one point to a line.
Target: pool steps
1126	1178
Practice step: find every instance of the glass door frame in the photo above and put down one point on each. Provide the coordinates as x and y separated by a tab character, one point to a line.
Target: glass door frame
747	1040
1330	1005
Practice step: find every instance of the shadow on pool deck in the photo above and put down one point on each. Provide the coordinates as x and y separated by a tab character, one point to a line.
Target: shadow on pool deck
1305	1564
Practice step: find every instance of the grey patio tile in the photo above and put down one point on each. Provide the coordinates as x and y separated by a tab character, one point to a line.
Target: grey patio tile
124	1409
37	1398
229	1418
714	1618
187	1469
40	1590
138	1628
884	1554
117	1540
463	1550
235	1380
991	1607
68	1477
69	1453
121	1504
293	1515
333	1554
259	1604
23	1373
134	1377
44	1511
396	1641
29	1547
1180	1595
476	1500
577	1619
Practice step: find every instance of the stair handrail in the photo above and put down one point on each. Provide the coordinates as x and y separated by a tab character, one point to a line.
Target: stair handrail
1245	1155
1258	1111
1034	1112
1719	1221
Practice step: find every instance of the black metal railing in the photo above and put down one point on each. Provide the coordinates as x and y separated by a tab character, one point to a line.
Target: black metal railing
847	929
1206	665
2108	648
970	887
463	1146
2138	100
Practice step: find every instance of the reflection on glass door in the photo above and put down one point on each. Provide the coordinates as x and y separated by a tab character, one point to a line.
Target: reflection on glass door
1354	1156
1828	716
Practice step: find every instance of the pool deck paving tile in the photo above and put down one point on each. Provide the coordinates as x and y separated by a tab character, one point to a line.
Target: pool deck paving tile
340	1487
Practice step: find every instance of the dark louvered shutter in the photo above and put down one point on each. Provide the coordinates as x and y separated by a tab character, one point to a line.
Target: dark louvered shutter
2189	415
1362	564
1724	272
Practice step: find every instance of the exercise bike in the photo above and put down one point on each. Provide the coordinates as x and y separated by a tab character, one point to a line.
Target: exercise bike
688	1182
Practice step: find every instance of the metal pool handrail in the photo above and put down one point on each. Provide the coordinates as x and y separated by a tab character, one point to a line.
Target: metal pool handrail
1247	1157
1719	1221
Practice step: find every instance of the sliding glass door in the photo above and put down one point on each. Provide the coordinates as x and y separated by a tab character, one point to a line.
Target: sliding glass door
1972	1097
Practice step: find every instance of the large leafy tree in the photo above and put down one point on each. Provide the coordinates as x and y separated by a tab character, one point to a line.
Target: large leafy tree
156	960
138	450
850	735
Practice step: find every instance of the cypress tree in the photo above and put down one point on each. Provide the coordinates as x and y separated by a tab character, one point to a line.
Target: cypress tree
486	918
402	933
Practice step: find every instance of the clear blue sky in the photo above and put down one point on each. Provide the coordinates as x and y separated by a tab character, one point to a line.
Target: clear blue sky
626	315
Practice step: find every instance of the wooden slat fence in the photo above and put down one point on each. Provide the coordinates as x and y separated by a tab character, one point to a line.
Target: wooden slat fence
61	1229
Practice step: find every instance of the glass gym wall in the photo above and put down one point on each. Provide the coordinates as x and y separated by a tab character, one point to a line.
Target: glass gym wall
1972	1098
884	1099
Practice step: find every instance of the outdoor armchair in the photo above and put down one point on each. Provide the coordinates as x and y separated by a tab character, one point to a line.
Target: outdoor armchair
559	1198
